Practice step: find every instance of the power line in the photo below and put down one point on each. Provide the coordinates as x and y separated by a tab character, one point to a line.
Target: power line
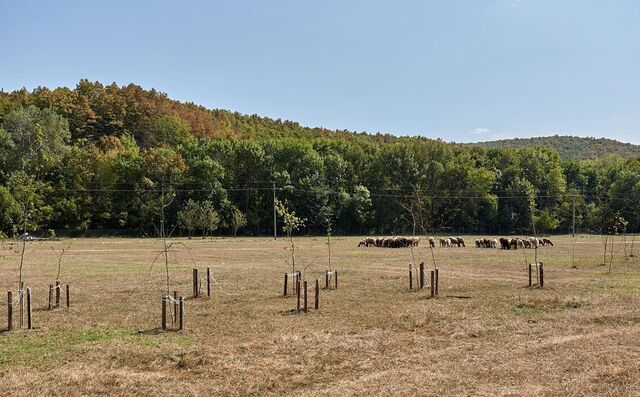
292	189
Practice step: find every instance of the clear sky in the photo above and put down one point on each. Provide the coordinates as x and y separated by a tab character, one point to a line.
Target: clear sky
460	70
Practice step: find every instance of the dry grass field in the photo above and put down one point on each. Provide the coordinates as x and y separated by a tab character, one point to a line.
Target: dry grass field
579	335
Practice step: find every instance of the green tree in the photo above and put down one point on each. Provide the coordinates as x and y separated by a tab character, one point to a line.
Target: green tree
545	221
29	199
39	138
189	216
170	130
239	220
210	219
291	224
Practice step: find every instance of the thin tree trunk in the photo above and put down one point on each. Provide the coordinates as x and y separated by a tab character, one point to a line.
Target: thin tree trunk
611	255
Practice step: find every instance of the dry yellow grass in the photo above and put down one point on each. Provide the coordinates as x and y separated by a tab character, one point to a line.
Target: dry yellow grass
580	335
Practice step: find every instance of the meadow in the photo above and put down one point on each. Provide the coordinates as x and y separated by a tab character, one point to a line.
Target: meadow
487	333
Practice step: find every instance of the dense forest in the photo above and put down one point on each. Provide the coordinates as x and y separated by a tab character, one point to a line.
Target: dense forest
128	160
571	147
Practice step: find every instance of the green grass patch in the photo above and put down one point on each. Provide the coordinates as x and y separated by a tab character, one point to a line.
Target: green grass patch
41	349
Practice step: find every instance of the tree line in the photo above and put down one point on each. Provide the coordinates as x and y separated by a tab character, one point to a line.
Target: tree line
109	158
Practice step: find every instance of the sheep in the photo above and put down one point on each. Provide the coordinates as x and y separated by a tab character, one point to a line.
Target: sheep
443	242
505	243
370	241
432	242
513	243
479	243
362	243
527	243
494	243
415	241
547	241
520	243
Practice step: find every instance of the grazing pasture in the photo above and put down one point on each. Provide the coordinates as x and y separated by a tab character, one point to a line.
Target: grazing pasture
486	334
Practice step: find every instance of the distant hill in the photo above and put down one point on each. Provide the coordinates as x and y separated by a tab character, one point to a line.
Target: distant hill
571	147
94	110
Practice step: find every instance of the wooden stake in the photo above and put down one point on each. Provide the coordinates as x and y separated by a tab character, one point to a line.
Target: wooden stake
50	296
58	293
181	318
29	308
175	307
164	313
286	283
21	292
529	274
421	284
317	300
433	284
305	297
209	282
437	280
326	279
9	310
68	302
410	278
196	290
335	274
298	294
541	274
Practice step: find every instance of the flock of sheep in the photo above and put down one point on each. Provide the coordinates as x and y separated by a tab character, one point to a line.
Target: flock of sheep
400	242
503	243
531	242
447	242
390	242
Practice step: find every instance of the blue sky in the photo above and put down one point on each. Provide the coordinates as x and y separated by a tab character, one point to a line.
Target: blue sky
460	70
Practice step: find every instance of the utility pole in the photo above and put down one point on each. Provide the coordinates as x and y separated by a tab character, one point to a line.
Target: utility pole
275	228
573	211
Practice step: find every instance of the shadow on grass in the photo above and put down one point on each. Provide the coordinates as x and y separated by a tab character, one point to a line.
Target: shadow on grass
158	331
291	312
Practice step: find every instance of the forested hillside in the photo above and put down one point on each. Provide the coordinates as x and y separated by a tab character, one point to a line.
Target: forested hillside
110	158
571	147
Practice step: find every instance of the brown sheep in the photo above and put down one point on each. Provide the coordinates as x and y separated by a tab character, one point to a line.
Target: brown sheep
547	241
505	243
432	242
